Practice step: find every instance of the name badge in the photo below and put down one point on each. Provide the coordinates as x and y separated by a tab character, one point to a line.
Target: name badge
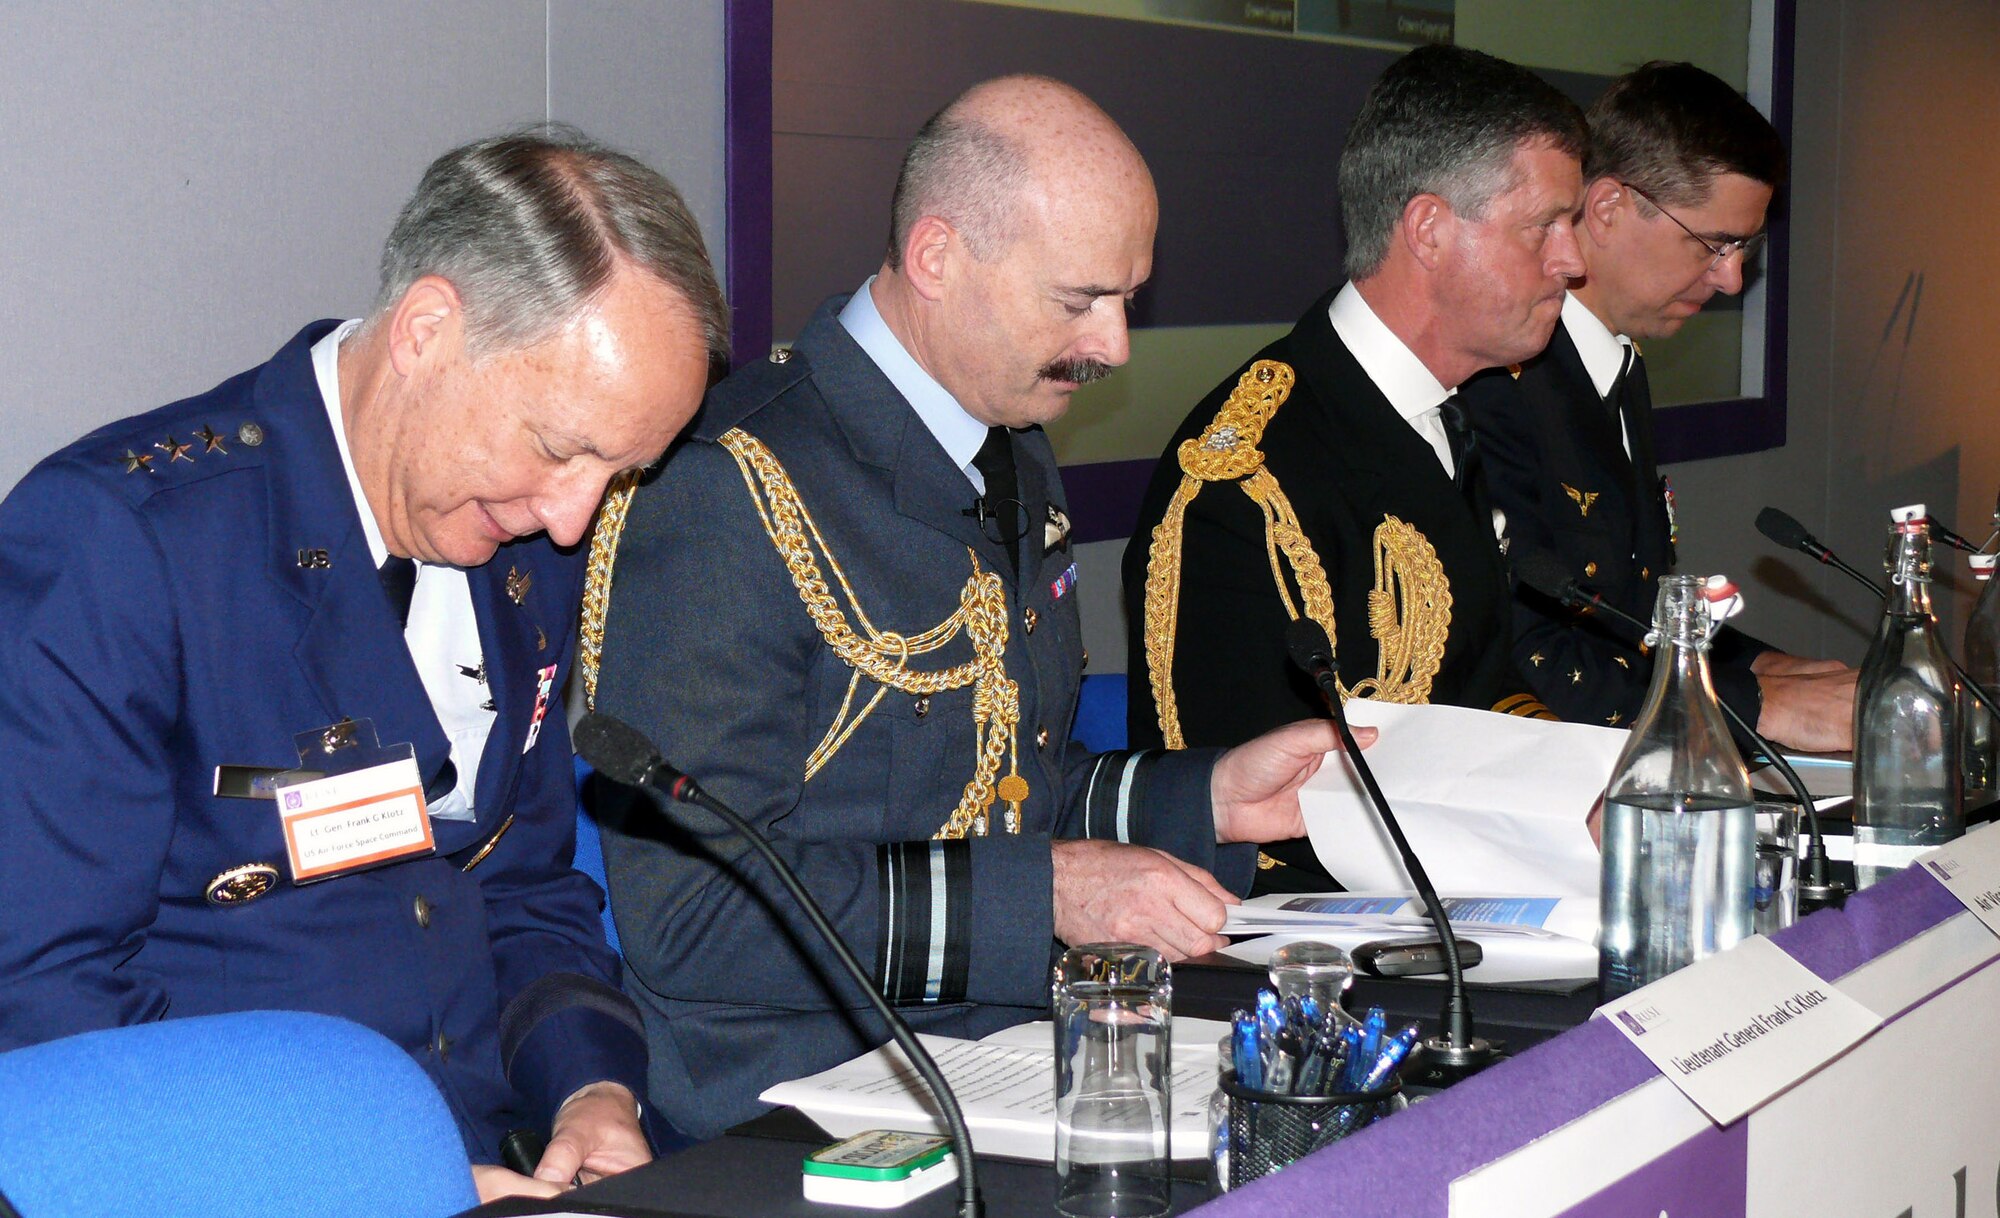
363	808
1969	868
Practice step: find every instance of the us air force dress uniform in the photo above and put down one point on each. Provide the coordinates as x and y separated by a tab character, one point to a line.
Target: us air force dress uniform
1567	440
805	614
190	588
1316	481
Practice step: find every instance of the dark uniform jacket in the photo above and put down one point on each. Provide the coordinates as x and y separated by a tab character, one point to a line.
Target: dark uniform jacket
162	619
1347	462
710	650
1556	465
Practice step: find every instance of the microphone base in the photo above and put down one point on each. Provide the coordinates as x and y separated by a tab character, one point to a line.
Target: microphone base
1831	895
1443	1063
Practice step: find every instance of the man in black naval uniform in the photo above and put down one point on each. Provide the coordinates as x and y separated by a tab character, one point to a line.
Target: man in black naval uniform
1678	176
1330	477
847	607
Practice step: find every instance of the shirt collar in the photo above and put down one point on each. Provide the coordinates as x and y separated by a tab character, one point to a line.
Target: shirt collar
1602	351
1395	369
326	370
957	432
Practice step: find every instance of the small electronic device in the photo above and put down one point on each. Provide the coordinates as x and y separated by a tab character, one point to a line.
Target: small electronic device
880	1169
1411	957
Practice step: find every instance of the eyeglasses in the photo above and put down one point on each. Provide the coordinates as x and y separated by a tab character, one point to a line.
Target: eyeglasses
1746	246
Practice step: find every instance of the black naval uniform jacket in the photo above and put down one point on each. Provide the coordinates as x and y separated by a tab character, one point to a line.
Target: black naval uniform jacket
709	651
1556	465
1345	459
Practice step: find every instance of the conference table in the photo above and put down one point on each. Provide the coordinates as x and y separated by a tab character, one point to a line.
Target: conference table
754	1169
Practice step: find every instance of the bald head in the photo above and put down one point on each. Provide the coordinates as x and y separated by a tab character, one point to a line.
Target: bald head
1006	145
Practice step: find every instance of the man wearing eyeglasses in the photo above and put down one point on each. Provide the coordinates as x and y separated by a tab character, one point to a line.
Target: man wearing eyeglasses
1679	174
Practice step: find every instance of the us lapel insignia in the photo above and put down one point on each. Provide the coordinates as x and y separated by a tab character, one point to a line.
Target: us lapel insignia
1584	500
1055	531
518	585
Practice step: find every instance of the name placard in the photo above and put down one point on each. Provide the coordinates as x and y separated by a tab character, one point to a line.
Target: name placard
1736	1029
1969	869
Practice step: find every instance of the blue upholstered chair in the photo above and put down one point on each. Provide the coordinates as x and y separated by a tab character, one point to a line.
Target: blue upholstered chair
268	1112
1100	712
590	847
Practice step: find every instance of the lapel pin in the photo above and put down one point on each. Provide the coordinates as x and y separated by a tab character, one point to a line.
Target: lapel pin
315	560
518	585
134	462
240	884
175	450
211	442
1055	532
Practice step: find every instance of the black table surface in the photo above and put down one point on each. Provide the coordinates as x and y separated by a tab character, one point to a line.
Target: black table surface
754	1170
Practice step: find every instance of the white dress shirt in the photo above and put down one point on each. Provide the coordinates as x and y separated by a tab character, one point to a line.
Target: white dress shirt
442	634
1604	353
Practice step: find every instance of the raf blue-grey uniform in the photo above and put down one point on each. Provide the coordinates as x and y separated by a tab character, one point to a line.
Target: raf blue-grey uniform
710	652
190	588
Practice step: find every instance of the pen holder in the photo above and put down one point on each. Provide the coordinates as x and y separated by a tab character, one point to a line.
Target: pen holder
1259	1132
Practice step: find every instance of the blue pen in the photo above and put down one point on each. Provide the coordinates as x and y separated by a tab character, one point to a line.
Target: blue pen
1249	1060
1270	1020
1351	1064
1385	1065
1373	1028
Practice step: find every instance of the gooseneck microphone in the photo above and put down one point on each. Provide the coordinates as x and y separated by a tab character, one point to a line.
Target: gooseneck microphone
1546	574
622	754
1458	1053
1792	535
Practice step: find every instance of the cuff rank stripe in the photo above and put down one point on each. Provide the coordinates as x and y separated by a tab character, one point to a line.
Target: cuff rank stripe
1115	801
925	924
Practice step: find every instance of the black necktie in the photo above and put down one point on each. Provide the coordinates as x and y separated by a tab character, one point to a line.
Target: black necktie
995	463
1631	405
399	583
1460	440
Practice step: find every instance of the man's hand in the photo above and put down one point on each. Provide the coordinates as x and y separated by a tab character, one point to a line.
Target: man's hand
596	1134
1778	664
1111	892
1255	786
494	1182
1813	711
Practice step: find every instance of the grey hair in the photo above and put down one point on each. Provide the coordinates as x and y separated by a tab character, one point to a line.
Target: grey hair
1446	121
966	174
529	226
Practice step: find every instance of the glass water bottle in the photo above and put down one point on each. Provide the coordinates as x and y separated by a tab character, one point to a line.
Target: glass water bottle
1908	774
1982	664
1680	828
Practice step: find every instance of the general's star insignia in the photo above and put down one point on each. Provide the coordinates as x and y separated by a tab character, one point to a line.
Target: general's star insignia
1613	718
1576	676
1536	659
1621	661
210	441
134	462
518	584
175	450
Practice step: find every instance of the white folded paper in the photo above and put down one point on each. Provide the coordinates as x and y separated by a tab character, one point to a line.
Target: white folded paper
1491	803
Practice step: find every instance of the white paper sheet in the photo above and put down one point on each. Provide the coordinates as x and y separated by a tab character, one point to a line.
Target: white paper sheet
1522	939
1491	803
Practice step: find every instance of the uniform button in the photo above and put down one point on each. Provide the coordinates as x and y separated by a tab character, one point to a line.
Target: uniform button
923	705
780	355
423	909
1028	618
1041	737
250	434
442	1047
1590	570
1645	573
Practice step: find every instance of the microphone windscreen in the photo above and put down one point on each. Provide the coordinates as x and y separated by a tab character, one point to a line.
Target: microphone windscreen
1542	571
615	749
1310	649
1782	529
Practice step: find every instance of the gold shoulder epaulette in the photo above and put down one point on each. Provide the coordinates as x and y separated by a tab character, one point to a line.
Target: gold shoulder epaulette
1409	610
597	580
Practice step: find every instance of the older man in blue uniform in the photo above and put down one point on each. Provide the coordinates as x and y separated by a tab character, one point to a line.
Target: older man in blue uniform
367	539
847	606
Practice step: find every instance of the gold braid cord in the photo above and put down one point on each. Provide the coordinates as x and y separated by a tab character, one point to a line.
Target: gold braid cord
1409	609
883	657
597	580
